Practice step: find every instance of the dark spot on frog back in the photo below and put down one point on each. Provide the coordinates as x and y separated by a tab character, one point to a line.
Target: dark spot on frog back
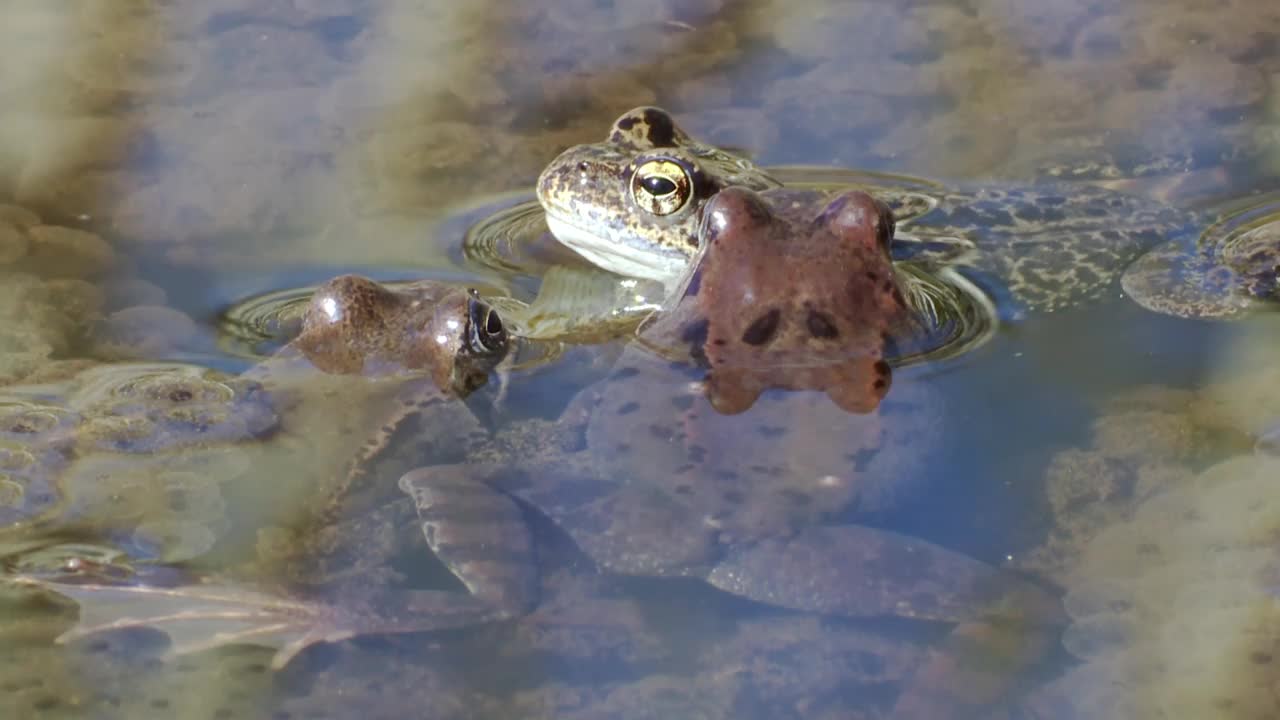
662	131
762	330
882	368
624	373
771	431
682	402
821	326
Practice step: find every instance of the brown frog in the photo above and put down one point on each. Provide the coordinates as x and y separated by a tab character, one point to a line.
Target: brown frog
648	477
762	315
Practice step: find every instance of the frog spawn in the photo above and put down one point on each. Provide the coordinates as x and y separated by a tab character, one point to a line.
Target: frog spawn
121	443
1174	612
32	453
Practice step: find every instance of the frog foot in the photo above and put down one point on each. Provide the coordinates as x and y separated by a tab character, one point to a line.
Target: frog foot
478	533
1004	623
206	616
863	572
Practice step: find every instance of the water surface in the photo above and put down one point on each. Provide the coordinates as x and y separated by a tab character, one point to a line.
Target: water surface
197	154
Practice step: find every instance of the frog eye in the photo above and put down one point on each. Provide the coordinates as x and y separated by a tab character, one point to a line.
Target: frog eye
487	333
661	186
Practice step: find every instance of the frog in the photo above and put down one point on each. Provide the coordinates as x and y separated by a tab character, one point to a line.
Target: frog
741	473
759	317
631	204
367	357
1225	273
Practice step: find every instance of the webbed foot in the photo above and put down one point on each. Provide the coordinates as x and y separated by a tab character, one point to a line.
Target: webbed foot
203	617
478	533
862	572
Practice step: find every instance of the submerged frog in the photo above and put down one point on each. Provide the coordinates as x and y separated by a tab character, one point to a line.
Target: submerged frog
631	204
649	478
1228	271
367	357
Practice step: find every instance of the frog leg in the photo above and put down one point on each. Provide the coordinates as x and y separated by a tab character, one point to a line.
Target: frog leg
1005	623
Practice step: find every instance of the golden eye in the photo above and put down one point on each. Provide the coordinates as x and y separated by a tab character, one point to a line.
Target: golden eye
661	187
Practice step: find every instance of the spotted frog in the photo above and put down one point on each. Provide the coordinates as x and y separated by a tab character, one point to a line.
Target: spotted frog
632	203
649	476
1230	270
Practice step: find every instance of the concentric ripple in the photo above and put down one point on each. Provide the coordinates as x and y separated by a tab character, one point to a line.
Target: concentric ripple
257	326
509	237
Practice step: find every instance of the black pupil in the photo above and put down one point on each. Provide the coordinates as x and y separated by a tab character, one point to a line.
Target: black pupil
658	185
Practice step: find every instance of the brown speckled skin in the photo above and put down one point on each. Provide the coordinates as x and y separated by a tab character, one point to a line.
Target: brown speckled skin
799	293
354	325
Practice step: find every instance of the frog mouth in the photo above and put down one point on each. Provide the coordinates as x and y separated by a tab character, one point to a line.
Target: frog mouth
614	252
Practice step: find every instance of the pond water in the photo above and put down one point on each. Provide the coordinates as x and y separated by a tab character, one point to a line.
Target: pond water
175	175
